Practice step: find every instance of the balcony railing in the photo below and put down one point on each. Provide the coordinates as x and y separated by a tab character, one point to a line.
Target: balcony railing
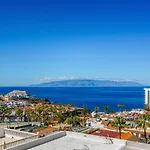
25	138
18	142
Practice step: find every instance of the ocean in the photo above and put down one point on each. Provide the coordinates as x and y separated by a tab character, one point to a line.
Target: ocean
90	97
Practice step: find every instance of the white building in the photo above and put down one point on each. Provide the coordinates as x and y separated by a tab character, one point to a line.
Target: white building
147	96
17	94
78	141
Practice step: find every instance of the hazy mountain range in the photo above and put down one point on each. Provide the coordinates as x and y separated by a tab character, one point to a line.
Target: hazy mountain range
87	83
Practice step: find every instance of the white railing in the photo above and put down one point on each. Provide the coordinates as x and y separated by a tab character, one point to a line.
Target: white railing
18	142
16	133
20	136
39	141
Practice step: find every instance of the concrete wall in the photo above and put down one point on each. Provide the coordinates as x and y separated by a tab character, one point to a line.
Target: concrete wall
137	145
124	144
95	138
39	141
2	133
16	134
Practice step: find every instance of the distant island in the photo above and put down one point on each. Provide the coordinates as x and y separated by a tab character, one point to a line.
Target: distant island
87	83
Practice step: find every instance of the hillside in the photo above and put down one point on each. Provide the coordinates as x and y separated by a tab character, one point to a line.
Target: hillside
87	83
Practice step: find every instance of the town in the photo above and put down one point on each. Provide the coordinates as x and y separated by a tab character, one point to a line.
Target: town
23	114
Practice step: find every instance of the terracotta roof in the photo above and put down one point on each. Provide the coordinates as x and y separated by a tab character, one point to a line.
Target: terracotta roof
45	130
104	116
136	115
105	123
125	136
114	114
115	134
110	126
107	133
123	115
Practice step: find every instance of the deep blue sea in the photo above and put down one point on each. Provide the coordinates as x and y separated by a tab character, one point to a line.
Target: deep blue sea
131	97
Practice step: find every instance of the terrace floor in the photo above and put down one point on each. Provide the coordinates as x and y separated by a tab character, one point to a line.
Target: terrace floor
71	143
6	140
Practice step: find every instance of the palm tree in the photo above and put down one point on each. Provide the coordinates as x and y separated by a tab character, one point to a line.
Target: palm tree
74	121
111	111
106	109
2	112
60	117
19	114
47	116
33	115
39	113
146	107
30	115
85	112
119	123
68	120
9	112
121	106
144	122
96	109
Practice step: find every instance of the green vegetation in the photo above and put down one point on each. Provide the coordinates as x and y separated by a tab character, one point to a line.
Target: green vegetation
46	114
106	109
19	113
146	107
74	121
119	123
143	122
96	109
121	107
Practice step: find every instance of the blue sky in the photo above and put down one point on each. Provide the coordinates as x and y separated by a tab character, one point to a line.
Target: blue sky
79	38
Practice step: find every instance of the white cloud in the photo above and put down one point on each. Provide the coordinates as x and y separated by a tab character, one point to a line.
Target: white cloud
57	78
46	79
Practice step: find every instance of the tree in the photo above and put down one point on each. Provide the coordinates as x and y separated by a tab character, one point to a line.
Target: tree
68	120
74	121
119	123
85	112
96	109
2	112
31	115
28	115
19	113
47	116
9	112
143	122
60	117
146	107
39	113
106	109
121	106
111	112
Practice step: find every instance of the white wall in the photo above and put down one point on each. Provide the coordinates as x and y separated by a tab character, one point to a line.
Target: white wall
38	141
2	133
137	145
17	134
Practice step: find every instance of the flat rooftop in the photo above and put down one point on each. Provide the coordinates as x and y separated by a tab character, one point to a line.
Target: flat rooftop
66	140
7	140
77	143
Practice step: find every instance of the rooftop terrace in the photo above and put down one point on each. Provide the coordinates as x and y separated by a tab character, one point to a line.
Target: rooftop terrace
77	141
